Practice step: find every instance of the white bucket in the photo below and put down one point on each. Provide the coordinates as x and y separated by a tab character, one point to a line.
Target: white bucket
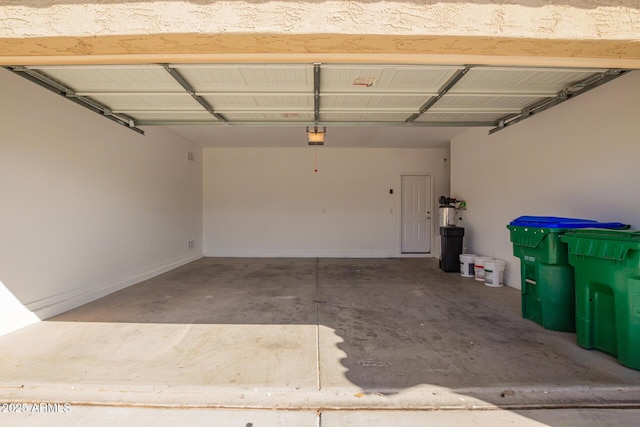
467	268
479	262
494	273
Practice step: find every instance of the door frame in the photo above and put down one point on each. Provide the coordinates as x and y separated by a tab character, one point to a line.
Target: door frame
429	206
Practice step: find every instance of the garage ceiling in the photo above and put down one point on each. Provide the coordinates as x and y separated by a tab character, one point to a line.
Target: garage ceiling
307	94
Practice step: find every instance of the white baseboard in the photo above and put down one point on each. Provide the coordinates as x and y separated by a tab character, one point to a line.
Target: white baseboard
313	254
56	304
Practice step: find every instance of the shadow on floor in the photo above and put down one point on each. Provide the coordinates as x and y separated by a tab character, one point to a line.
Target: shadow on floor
384	325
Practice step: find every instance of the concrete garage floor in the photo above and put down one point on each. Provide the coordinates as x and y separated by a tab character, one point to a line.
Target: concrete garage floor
324	342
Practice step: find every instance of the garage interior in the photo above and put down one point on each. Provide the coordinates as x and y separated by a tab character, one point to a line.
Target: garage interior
173	248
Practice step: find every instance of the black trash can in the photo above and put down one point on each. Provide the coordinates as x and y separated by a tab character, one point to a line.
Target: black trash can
451	248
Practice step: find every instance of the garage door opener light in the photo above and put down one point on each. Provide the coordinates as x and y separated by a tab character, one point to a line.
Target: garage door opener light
315	136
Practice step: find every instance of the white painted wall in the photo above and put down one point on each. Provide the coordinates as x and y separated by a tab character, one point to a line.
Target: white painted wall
269	201
579	159
86	206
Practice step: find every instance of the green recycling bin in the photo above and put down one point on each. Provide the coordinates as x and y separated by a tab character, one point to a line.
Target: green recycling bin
547	278
607	272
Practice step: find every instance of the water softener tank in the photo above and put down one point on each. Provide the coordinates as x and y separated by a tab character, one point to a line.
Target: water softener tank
447	212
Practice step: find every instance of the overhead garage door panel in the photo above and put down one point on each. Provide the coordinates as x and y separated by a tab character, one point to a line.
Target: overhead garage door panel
173	116
364	116
383	101
462	117
113	78
257	101
148	102
500	80
384	78
361	94
266	116
248	78
472	103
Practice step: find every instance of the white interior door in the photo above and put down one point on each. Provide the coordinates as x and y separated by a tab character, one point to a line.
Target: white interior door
416	214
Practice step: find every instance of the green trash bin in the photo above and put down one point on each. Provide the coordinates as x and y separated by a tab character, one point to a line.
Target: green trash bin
607	271
547	280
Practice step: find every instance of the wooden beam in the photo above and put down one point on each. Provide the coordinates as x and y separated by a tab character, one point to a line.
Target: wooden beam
326	48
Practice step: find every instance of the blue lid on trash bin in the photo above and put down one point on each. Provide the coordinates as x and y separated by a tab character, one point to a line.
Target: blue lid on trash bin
559	222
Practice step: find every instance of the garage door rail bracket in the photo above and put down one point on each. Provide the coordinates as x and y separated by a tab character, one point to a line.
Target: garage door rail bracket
86	102
565	94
